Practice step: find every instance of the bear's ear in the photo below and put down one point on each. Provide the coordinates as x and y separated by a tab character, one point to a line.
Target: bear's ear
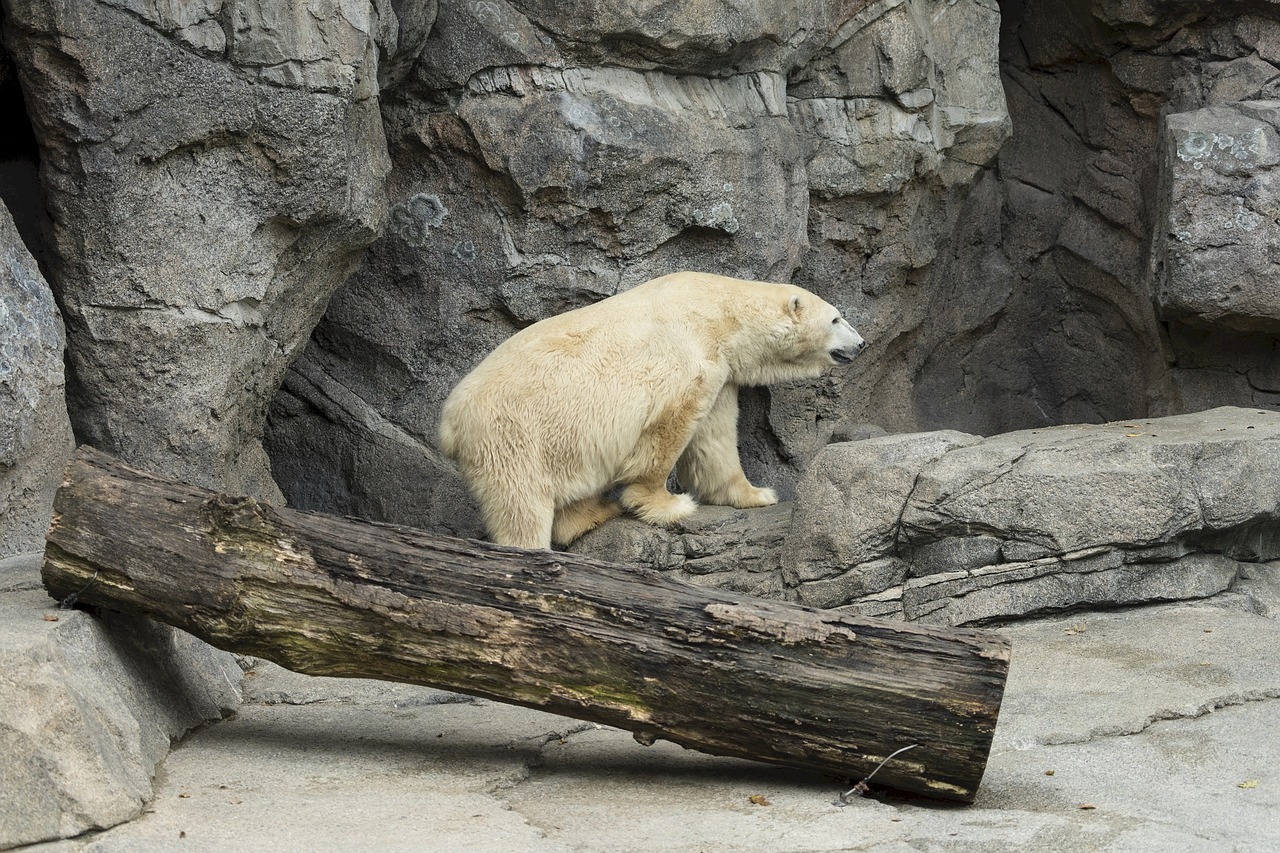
795	306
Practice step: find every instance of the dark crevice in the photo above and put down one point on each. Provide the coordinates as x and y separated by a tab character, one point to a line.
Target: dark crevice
20	166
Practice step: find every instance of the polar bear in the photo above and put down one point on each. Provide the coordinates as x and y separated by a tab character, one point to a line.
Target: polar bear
620	393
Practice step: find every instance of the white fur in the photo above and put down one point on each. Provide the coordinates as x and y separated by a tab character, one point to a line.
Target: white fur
620	392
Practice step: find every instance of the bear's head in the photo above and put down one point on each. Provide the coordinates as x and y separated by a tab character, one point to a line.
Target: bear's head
817	320
806	336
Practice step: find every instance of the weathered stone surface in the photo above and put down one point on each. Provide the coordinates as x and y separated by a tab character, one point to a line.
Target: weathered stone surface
213	172
747	35
1043	312
901	110
869	482
539	165
338	453
1217	245
1040	314
951	528
718	546
35	435
88	707
403	30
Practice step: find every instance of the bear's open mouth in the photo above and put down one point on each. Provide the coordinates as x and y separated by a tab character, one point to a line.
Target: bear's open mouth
842	356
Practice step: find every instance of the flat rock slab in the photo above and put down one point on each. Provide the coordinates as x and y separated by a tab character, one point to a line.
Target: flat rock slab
1117	705
950	528
957	529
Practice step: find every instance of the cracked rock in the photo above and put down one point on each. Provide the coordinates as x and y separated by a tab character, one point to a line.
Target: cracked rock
35	434
213	172
1105	514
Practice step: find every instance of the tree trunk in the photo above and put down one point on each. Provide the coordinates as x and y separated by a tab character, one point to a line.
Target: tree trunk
711	670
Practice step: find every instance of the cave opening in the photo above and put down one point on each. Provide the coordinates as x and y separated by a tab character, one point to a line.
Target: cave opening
20	166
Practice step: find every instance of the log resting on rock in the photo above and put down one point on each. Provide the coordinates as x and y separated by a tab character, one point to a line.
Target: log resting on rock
714	671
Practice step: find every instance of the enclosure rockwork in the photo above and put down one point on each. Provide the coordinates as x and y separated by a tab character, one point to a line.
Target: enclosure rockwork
276	234
538	166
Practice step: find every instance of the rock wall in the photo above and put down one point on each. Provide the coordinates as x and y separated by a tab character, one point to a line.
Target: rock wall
536	168
1114	263
35	434
1109	259
213	171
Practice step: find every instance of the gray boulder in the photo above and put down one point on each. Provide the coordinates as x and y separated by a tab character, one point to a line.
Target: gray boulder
88	707
954	528
870	481
718	546
213	174
1219	236
35	434
1070	516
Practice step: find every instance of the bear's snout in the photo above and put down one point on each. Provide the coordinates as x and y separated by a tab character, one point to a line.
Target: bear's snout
846	354
847	344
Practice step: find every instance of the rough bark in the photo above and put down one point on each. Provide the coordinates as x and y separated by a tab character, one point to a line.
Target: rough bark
711	670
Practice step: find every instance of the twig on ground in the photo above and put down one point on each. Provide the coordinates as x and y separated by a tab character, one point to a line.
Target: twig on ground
862	787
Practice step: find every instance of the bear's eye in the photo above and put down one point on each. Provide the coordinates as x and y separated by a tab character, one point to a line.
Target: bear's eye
836	321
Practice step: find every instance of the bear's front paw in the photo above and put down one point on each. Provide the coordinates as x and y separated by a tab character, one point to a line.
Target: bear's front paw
753	497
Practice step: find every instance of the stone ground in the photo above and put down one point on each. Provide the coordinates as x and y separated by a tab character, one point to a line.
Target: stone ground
1147	729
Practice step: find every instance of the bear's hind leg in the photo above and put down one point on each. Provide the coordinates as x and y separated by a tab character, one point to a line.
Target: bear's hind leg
582	516
645	493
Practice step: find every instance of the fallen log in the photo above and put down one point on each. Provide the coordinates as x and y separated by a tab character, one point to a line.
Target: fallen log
711	670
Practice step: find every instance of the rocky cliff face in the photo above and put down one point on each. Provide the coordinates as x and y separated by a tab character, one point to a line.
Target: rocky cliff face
537	167
213	171
1036	212
1111	264
1110	259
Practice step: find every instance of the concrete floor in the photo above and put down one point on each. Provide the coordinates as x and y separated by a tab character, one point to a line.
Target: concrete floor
1149	729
